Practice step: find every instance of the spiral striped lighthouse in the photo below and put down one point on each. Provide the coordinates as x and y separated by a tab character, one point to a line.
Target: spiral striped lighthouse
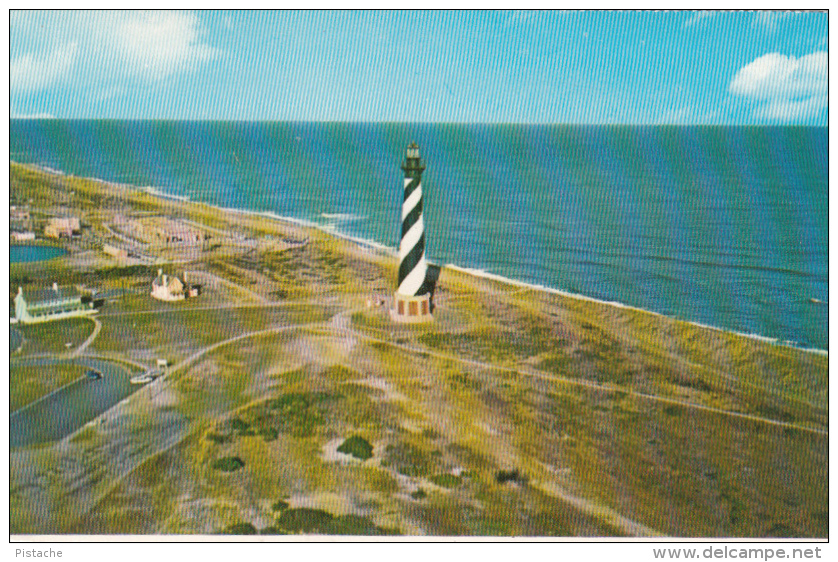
412	300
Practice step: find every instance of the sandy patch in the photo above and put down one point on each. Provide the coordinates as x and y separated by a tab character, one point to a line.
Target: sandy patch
377	383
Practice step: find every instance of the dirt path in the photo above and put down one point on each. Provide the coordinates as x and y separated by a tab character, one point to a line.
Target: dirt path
198	275
590	384
200	353
97	327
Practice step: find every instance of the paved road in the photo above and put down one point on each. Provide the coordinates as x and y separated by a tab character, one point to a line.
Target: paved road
64	411
15	339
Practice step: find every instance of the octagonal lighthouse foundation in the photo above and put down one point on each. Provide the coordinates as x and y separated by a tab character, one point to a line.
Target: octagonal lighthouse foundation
412	300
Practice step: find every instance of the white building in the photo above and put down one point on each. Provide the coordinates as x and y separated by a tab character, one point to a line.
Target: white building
43	305
170	288
58	227
18	236
167	287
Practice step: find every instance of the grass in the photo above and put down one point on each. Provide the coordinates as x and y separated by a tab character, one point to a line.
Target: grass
446	480
52	337
28	384
177	331
318	521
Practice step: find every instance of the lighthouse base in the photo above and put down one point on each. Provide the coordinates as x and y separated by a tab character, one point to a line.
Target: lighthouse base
411	309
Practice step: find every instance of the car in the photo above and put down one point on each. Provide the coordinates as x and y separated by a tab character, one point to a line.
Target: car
93	374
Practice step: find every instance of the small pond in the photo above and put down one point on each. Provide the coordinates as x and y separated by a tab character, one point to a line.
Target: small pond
34	252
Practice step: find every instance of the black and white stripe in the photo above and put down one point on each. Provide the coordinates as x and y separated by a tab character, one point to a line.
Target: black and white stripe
412	265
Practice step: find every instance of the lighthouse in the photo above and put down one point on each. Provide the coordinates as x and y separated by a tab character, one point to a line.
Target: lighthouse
412	300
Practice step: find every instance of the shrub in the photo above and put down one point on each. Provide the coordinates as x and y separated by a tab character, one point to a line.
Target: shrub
218	438
354	525
419	494
279	505
304	520
356	446
269	433
504	476
228	464
241	529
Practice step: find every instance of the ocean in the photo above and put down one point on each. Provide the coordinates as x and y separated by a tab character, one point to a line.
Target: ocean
724	226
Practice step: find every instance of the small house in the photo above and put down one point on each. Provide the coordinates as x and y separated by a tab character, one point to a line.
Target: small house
22	236
167	287
62	227
170	288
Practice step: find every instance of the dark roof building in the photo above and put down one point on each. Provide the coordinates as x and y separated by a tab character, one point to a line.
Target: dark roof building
42	305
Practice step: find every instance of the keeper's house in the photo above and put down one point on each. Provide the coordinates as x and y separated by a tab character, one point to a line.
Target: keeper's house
43	305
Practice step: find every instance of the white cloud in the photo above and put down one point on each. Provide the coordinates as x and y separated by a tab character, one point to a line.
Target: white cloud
158	44
34	72
697	17
786	87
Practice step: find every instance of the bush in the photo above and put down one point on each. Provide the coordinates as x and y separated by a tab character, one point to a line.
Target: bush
218	438
419	494
304	520
279	505
228	464
356	446
354	525
504	476
269	433
241	529
239	425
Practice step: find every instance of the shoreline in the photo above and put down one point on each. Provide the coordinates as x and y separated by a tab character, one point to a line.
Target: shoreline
331	230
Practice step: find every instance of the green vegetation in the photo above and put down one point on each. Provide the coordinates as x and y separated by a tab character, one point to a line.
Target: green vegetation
241	529
409	460
356	446
304	520
27	384
504	476
228	464
52	337
445	480
318	521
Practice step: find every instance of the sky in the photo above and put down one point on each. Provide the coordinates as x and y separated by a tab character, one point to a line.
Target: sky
598	67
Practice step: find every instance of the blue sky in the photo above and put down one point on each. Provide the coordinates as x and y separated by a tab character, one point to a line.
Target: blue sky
478	67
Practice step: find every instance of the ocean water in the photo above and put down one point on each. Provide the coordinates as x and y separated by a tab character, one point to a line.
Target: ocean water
727	226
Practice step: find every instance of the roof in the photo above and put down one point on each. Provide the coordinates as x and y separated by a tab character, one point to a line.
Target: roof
47	295
170	280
